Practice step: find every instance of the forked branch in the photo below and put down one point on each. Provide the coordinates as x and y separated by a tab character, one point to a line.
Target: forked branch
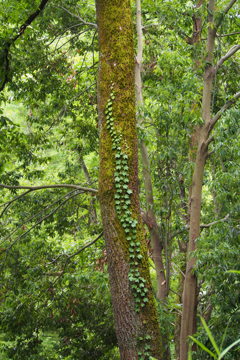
78	17
225	107
231	52
205	226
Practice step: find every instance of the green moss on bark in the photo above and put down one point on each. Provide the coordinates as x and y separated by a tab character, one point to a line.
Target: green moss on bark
117	69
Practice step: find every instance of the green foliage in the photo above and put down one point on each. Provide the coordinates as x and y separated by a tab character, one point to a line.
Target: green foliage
218	353
123	207
48	132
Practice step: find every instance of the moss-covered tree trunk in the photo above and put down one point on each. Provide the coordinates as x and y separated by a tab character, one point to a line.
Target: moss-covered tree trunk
136	323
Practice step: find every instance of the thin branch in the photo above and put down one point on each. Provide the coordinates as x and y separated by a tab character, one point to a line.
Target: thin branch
176	267
65	107
66	42
208	141
30	19
231	52
39	222
9	203
204	226
86	246
20	32
174	292
223	35
149	25
54	186
225	11
172	236
230	34
225	107
77	17
37	214
70	256
229	6
61	33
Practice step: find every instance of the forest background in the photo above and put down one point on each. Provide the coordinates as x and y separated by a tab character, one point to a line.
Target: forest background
55	298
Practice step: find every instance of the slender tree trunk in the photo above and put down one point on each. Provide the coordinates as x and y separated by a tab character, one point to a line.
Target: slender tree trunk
93	220
189	311
134	310
151	221
156	242
182	250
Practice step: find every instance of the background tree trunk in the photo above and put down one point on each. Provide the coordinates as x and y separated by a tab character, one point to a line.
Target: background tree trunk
151	221
190	293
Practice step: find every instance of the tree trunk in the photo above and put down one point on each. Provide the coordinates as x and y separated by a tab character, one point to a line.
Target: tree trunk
189	311
156	242
134	310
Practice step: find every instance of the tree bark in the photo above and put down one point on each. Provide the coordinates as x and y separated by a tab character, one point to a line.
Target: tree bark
135	316
189	311
156	242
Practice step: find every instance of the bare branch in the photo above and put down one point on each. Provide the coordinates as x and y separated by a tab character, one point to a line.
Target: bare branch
225	107
54	186
78	17
205	226
231	52
202	226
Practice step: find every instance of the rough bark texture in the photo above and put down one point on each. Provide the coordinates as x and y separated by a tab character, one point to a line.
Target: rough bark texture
116	73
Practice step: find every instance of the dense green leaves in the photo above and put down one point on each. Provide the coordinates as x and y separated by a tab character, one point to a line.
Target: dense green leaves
53	307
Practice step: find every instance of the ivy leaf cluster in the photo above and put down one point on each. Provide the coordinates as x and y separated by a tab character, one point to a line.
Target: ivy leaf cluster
122	199
145	346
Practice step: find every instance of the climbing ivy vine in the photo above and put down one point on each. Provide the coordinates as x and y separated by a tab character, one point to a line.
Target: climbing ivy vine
123	208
